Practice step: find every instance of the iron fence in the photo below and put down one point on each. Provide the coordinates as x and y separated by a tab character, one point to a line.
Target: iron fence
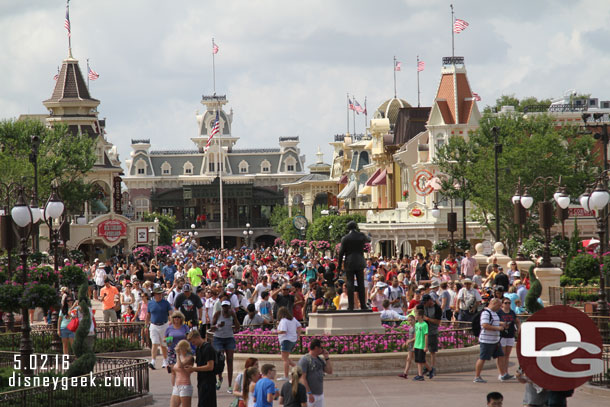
575	296
112	380
603	378
109	337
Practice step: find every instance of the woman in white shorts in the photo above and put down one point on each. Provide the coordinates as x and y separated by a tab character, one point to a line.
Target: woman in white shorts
507	337
182	390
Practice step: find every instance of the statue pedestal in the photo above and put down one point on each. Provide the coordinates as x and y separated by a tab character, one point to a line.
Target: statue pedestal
549	277
344	323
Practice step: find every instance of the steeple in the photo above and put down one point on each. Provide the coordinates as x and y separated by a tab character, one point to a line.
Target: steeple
320	156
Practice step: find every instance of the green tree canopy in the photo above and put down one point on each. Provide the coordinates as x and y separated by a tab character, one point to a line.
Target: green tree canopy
519	105
166	226
62	156
532	147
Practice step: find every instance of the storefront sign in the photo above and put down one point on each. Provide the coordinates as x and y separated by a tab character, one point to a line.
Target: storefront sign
580	212
487	248
416	212
142	235
421	184
112	230
116	193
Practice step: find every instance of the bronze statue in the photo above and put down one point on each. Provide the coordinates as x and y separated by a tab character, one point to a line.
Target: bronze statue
352	247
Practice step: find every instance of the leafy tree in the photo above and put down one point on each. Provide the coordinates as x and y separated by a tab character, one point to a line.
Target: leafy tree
62	156
332	227
167	224
519	105
532	147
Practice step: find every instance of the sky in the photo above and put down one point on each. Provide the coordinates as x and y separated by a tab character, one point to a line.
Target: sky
285	65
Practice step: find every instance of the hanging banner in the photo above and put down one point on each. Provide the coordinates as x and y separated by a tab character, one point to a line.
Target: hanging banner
116	194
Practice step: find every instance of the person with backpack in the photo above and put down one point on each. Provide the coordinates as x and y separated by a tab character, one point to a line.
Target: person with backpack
396	295
205	358
488	323
313	368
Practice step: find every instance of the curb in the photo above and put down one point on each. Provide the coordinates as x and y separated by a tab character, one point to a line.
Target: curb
145	400
595	390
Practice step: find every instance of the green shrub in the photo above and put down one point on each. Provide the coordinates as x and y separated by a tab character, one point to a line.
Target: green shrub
566	281
440	245
583	266
115	345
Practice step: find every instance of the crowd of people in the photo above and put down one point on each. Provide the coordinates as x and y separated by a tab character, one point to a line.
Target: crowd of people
199	293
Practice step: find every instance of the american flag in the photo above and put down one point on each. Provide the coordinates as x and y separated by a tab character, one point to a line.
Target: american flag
67	22
56	77
351	105
459	26
476	96
357	107
420	66
93	75
215	130
214	48
397	66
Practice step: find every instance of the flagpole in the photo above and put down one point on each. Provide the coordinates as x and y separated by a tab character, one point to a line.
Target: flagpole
354	115
366	120
418	81
213	67
88	73
452	33
220	168
347	110
69	32
394	68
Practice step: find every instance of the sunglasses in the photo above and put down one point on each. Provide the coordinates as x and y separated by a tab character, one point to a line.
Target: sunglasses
506	302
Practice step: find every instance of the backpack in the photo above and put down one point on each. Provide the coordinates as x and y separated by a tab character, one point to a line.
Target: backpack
476	322
219	360
389	293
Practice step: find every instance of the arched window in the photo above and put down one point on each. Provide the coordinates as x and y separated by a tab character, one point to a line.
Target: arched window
290	164
188	168
266	166
141	207
141	167
166	168
243	167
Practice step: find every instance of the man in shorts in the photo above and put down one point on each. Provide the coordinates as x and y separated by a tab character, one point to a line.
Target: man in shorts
157	321
108	296
432	315
489	338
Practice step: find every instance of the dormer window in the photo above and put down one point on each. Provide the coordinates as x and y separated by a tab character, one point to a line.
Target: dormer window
243	167
188	168
166	168
290	164
265	166
141	167
99	155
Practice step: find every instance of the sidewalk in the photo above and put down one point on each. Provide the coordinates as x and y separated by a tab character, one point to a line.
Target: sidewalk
455	389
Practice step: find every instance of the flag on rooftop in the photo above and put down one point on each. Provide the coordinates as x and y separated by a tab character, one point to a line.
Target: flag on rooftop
357	107
397	66
214	48
67	22
420	66
56	77
476	96
93	75
459	26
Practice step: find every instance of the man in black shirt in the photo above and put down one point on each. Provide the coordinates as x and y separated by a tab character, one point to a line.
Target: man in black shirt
283	299
190	305
501	279
206	379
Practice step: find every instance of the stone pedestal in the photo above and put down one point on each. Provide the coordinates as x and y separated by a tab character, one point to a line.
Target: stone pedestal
345	323
549	277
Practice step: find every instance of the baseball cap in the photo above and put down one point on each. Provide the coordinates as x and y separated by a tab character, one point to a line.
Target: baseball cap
225	303
426	297
187	287
421	287
230	286
467	280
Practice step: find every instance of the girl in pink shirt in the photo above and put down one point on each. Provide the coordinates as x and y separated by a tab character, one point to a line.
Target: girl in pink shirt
182	391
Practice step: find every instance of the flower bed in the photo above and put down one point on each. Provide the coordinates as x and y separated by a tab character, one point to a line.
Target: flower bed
393	340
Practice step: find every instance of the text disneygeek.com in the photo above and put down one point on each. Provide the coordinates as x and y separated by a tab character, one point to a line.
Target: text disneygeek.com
64	382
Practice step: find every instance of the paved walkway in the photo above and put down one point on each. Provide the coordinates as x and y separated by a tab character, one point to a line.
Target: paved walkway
389	391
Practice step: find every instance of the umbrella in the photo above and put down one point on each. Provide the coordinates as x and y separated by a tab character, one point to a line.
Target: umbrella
590	242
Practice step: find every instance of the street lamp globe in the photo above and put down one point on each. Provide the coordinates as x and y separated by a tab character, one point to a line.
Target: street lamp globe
598	199
54	209
151	231
584	200
527	201
516	198
250	232
245	232
436	213
196	233
35	213
193	226
22	215
562	199
247	225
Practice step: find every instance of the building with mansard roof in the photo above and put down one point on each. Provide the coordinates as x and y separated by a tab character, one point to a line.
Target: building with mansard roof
102	229
186	183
